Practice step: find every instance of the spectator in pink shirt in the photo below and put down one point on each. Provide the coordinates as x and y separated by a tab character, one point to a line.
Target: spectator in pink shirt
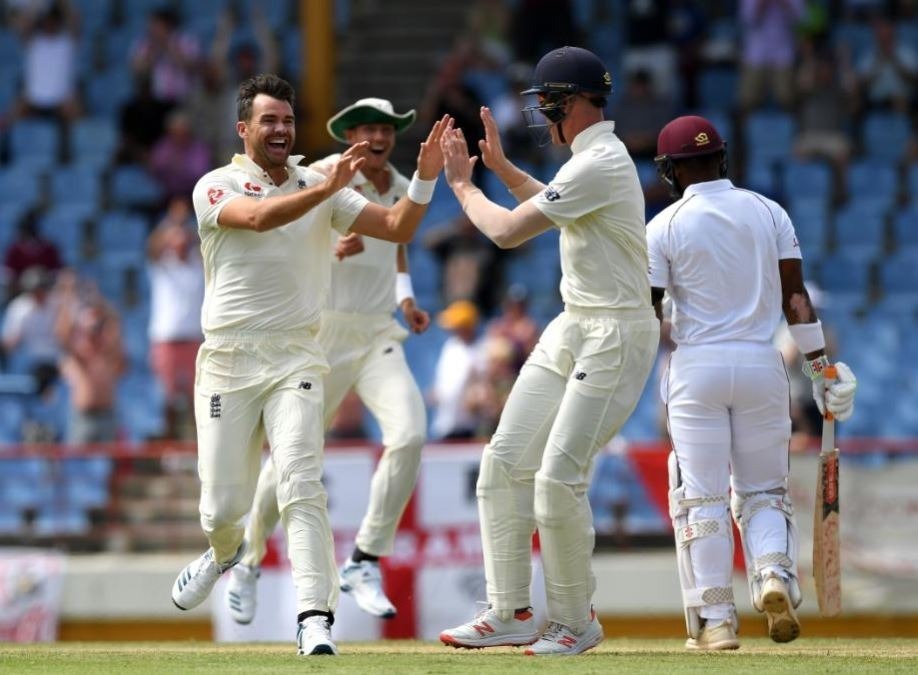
179	159
769	47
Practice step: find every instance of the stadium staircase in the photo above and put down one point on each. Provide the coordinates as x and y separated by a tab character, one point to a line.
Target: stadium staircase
386	50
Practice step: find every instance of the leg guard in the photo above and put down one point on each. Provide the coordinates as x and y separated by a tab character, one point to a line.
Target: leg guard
746	506
686	533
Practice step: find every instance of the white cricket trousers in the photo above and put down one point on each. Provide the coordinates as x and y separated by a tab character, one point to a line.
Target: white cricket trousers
364	352
576	390
252	386
728	409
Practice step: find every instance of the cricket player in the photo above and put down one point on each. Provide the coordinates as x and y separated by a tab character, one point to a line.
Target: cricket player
362	343
266	228
731	263
585	375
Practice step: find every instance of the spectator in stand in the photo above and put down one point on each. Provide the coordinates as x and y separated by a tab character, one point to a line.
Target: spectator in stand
169	57
515	325
647	30
29	249
640	114
514	134
28	325
92	362
768	51
142	122
489	386
177	292
49	33
212	106
825	86
455	367
888	73
179	158
471	266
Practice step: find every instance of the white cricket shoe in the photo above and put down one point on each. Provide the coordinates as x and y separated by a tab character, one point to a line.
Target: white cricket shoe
363	580
313	637
241	593
196	581
783	625
487	629
559	640
714	638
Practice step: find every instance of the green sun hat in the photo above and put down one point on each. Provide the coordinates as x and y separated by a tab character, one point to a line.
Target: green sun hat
368	111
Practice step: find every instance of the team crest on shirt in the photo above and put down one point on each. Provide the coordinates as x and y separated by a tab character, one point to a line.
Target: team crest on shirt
552	194
253	190
301	183
214	195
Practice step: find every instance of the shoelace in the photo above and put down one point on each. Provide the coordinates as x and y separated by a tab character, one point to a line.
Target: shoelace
553	632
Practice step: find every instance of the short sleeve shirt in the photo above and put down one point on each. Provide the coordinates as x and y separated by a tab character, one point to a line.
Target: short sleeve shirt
365	283
716	251
597	202
266	281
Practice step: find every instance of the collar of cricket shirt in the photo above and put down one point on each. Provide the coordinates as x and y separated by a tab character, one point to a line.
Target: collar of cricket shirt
585	138
248	165
708	186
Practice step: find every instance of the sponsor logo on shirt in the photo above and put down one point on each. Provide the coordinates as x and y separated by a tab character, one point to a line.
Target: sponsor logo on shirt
552	194
214	195
304	385
301	183
580	375
252	190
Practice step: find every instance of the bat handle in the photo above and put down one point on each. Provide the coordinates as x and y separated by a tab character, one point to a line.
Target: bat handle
829	375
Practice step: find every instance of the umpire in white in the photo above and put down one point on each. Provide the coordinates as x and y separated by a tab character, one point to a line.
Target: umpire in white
584	377
730	261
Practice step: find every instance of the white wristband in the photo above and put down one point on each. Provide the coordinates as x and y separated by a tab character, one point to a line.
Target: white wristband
808	336
421	191
403	289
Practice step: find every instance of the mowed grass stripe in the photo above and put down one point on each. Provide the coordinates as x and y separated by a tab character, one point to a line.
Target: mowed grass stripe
398	657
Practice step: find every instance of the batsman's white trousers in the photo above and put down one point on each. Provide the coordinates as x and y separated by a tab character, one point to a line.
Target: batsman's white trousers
576	390
728	409
364	352
248	387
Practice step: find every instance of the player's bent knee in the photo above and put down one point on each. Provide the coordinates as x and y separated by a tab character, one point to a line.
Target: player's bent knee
556	503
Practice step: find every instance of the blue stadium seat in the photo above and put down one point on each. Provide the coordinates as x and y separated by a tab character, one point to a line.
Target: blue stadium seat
75	185
911	183
873	180
191	10
846	279
80	493
21	494
768	136
60	520
141	405
810	217
96	467
132	186
121	231
905	229
35	141
425	270
717	87
885	135
94	141
10	46
422	353
859	233
65	225
11	521
12	414
9	85
807	179
855	36
759	175
899	280
538	270
108	90
95	15
292	52
22	187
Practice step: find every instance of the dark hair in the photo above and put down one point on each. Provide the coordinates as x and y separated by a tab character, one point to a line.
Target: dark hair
270	85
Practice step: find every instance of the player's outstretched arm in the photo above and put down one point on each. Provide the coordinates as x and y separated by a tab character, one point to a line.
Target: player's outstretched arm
400	222
261	215
520	184
507	229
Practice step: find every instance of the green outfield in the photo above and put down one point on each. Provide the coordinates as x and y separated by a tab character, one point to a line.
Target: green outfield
629	656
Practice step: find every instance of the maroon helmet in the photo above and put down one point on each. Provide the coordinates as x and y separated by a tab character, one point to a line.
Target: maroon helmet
683	138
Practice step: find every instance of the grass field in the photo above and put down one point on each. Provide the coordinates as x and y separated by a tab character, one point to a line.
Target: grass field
629	656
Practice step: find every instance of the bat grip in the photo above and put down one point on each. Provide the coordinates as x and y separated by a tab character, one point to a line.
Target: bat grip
829	375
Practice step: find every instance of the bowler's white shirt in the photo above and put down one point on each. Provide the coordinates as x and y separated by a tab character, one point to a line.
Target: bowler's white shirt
365	283
267	281
597	202
716	251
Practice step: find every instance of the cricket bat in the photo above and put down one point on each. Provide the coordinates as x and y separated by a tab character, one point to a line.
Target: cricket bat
826	554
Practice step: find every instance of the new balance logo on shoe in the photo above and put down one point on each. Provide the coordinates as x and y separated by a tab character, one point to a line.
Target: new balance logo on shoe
483	628
567	641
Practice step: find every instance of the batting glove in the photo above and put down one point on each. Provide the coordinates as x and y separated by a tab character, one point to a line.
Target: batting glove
838	396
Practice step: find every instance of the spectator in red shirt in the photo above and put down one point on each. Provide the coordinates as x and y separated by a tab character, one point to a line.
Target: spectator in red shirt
29	249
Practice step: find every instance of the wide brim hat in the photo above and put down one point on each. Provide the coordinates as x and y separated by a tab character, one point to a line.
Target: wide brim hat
368	111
